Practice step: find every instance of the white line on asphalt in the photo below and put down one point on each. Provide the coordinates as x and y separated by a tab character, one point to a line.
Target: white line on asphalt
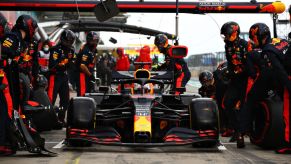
59	145
228	143
52	142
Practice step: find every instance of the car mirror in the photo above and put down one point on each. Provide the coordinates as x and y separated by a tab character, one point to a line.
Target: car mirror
178	51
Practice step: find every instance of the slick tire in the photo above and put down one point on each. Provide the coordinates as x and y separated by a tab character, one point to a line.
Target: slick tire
204	116
81	113
268	126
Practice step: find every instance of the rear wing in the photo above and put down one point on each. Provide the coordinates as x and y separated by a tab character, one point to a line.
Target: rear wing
151	7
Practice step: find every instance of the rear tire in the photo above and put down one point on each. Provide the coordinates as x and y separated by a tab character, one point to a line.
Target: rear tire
268	127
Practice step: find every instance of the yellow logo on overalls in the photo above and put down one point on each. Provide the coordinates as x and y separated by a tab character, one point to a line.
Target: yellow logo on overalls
1	73
55	56
7	44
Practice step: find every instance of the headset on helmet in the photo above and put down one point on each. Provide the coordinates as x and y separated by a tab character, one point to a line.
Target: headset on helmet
28	25
161	41
258	32
206	78
68	38
230	30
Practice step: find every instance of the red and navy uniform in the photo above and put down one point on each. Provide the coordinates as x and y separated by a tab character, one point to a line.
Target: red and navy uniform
207	91
9	86
28	71
28	61
236	56
273	75
181	71
6	106
12	46
86	57
60	57
276	55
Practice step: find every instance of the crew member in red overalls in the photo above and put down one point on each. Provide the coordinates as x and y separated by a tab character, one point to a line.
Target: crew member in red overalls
144	56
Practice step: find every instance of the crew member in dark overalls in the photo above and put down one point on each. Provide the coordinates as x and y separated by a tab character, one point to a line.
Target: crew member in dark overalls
86	61
12	45
207	88
273	75
61	56
181	71
236	56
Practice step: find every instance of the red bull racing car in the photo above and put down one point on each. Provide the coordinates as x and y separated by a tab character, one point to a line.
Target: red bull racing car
142	114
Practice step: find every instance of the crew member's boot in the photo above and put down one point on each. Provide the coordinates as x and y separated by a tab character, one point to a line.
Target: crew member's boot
240	143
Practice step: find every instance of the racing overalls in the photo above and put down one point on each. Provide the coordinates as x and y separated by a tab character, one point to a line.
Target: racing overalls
144	56
180	68
87	58
181	72
60	57
287	104
122	63
236	56
207	91
272	75
28	70
9	85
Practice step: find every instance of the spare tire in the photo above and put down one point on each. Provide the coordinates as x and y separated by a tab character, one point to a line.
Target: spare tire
47	119
268	127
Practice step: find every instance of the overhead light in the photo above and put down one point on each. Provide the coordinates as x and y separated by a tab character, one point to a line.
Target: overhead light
113	40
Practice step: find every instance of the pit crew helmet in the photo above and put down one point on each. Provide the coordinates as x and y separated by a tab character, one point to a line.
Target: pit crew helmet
28	25
92	38
230	31
68	38
258	33
161	41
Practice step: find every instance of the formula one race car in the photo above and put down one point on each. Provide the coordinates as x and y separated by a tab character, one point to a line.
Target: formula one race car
142	114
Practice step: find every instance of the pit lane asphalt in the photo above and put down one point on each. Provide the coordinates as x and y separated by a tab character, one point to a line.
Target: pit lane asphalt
228	153
124	155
